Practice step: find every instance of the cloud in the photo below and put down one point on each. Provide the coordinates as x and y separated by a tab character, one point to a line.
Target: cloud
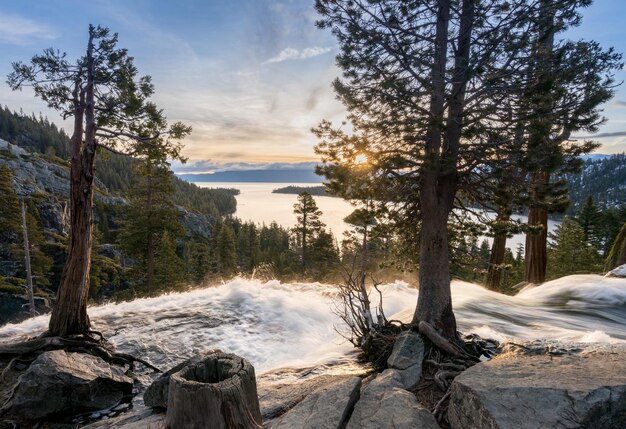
604	135
619	103
16	30
209	166
289	54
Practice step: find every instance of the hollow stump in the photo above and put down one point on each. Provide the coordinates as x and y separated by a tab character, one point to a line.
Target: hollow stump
217	393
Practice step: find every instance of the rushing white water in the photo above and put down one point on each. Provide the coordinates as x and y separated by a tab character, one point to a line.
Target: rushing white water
279	325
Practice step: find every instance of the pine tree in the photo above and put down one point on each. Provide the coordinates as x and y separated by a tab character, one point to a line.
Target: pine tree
111	110
308	225
151	214
589	218
226	252
9	208
169	270
569	252
324	258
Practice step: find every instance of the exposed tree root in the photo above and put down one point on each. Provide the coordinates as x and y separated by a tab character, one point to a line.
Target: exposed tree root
89	344
441	367
444	344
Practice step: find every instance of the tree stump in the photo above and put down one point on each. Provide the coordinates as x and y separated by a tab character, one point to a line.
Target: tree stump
217	393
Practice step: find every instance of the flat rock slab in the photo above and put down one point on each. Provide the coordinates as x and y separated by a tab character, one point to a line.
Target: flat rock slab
146	419
524	391
61	383
385	404
278	398
328	407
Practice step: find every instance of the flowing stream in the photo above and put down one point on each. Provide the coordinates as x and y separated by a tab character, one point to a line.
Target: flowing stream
293	325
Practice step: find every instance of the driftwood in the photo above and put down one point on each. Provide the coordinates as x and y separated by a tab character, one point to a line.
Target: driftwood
217	393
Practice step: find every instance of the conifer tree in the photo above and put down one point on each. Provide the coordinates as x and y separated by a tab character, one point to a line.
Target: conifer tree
569	253
150	215
589	218
308	225
9	208
110	108
169	270
226	252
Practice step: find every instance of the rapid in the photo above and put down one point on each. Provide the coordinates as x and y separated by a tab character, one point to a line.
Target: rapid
294	325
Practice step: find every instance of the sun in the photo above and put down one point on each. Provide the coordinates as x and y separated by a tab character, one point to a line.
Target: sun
360	159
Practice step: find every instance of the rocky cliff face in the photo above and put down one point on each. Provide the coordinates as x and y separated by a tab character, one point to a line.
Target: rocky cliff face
48	180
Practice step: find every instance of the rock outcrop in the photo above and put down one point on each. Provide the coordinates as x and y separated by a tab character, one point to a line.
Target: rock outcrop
384	403
276	399
328	407
15	308
58	383
583	390
407	357
619	272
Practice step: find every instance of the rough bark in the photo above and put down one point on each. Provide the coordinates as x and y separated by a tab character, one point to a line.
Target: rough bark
69	314
219	393
536	256
541	144
617	255
496	259
439	181
498	251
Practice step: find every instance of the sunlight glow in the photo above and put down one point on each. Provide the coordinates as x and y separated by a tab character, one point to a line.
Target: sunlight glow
360	159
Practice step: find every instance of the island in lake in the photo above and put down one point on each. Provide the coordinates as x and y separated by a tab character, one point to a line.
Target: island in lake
318	191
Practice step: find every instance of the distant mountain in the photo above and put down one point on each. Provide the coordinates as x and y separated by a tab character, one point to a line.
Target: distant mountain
596	156
604	178
276	176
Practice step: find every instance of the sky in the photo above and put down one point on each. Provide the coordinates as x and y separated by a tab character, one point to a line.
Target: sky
252	77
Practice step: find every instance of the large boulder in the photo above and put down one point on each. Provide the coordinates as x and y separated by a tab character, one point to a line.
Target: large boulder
524	391
385	404
328	407
407	357
58	383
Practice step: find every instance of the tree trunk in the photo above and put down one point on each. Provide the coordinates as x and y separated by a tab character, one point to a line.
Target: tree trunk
498	251
540	145
29	274
439	174
218	393
536	256
434	304
69	314
150	241
617	255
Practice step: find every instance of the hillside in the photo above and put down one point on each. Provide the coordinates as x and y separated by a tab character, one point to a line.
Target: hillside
603	178
38	139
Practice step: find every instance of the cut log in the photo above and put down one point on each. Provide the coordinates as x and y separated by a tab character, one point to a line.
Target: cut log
217	393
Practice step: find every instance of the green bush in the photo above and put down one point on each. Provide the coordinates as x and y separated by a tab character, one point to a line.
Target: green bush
14	290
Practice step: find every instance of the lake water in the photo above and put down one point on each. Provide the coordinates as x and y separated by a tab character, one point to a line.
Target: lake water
257	203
